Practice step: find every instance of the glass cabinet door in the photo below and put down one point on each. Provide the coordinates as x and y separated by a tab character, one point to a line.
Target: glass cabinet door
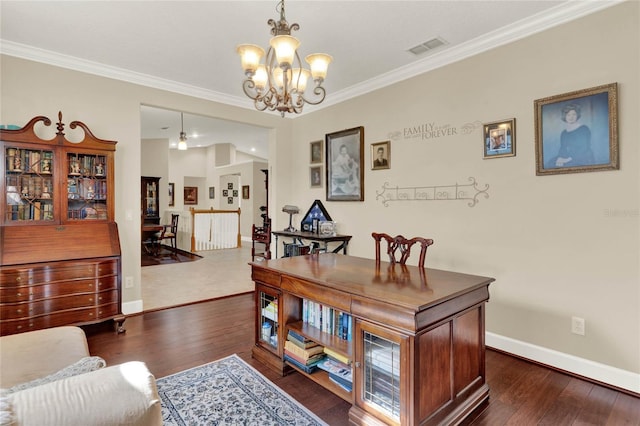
28	183
87	187
380	366
268	324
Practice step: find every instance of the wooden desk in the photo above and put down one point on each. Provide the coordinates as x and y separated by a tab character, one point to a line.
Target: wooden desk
417	349
298	236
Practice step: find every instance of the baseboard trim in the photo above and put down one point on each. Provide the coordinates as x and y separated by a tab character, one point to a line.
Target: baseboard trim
603	373
133	307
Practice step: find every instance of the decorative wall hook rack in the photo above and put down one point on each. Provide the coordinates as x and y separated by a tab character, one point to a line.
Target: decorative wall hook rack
470	192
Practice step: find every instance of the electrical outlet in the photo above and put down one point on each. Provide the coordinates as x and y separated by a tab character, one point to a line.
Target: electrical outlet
577	325
128	282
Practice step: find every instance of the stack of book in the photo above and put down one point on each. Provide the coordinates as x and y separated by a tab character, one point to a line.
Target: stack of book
339	372
302	352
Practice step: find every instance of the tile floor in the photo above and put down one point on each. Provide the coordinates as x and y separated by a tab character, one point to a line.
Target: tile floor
219	273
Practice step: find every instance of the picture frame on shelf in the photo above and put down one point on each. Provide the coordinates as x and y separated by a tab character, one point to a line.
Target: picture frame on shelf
315	176
245	192
316	152
499	138
172	187
212	192
577	131
381	155
190	195
344	164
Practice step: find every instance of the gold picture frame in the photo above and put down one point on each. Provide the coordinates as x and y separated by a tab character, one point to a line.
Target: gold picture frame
499	138
381	155
577	131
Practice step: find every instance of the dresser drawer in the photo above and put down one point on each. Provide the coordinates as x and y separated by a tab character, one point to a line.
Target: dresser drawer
61	271
55	319
36	292
41	307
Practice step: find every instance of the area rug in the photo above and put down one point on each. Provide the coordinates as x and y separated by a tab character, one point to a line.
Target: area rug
228	392
168	255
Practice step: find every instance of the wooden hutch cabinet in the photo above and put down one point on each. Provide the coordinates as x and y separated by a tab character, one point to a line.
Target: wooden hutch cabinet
415	341
150	199
60	258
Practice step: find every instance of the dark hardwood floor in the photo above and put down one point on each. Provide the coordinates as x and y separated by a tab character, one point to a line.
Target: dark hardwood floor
522	393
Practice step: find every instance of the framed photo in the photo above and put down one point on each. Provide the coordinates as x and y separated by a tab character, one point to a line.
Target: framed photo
191	195
229	185
245	192
315	176
229	200
344	160
172	187
499	138
381	155
316	152
225	192
212	192
577	131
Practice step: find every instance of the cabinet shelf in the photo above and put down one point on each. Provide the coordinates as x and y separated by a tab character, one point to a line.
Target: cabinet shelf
321	377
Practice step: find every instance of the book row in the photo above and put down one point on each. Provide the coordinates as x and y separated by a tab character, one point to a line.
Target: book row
327	319
29	161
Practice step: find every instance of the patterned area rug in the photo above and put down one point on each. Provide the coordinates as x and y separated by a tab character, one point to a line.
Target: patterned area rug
228	392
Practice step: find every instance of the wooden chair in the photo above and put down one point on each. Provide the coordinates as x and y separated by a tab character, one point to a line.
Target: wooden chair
403	246
170	232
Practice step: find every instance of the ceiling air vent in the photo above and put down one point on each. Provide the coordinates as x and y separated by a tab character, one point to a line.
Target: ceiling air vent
427	46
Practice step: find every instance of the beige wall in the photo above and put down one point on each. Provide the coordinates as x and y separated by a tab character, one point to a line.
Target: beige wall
554	243
558	246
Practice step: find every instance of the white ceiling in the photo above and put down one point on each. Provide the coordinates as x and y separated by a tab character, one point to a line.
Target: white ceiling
189	46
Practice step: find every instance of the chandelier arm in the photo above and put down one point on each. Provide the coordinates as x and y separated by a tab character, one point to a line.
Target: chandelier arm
319	91
249	88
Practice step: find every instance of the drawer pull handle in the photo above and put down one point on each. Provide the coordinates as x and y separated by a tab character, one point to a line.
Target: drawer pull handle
19	311
18	279
91	299
100	298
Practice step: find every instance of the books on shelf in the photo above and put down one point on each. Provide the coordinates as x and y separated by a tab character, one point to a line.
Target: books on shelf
340	373
336	356
307	368
302	353
327	319
271	310
300	340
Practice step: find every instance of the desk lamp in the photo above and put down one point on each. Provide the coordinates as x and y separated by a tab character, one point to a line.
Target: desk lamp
291	210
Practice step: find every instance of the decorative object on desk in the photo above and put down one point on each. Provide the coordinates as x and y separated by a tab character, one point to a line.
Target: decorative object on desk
327	228
235	393
245	192
191	195
577	131
212	192
344	161
499	139
171	193
380	155
316	212
315	176
291	210
453	192
316	152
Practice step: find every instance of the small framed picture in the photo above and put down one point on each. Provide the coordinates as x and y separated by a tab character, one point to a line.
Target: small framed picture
381	155
229	185
235	193
315	176
191	195
225	192
212	192
245	192
316	152
171	192
499	138
577	131
229	200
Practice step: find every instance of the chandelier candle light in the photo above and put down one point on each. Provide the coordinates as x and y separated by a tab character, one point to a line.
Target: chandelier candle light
280	83
182	144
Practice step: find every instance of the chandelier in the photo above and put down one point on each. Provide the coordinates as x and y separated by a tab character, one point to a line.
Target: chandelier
182	144
280	83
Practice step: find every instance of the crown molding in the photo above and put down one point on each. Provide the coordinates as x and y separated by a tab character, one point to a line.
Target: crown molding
561	14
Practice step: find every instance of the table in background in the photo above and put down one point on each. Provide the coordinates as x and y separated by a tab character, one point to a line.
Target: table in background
298	237
149	238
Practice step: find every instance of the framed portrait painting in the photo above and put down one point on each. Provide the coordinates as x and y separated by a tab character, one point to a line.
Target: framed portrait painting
577	131
344	159
499	138
380	155
245	192
316	152
315	176
191	195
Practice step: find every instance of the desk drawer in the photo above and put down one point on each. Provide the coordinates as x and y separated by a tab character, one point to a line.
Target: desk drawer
36	292
61	271
41	307
317	293
265	277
